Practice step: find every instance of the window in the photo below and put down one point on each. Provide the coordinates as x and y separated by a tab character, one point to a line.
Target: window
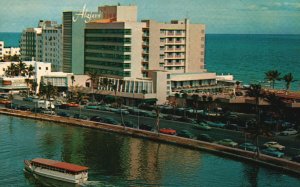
168	76
46	68
40	68
87	84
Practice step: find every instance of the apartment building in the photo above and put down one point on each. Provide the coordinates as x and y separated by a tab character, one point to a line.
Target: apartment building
43	43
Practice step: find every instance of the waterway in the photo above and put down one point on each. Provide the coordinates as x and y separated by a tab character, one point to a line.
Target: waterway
116	160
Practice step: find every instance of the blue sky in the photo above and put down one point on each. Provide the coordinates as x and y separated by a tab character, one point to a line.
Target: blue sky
219	16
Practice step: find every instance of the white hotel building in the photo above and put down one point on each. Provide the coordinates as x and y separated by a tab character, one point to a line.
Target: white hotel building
146	60
43	44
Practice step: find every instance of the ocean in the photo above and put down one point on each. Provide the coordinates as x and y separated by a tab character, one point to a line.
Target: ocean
245	56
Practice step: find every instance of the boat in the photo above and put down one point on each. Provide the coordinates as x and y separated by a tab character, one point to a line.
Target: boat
62	171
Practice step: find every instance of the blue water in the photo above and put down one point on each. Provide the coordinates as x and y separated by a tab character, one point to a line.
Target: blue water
246	56
10	39
116	160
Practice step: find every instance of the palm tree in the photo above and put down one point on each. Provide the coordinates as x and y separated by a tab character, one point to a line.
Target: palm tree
184	96
272	76
195	98
94	78
11	70
34	86
30	71
157	111
256	92
49	91
72	82
22	67
288	79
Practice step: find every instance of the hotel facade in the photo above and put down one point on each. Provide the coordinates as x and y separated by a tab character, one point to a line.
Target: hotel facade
146	59
43	43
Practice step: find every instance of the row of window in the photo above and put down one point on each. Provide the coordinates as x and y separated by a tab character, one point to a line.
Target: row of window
108	31
109	39
109	48
109	64
108	56
108	72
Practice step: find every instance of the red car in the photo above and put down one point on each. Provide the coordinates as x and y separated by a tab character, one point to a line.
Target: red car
167	131
72	104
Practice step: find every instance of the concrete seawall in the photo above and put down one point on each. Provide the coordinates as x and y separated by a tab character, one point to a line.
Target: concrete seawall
277	163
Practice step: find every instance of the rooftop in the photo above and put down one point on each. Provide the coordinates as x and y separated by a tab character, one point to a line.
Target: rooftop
60	165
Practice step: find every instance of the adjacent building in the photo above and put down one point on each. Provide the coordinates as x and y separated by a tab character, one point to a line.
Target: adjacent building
73	40
43	43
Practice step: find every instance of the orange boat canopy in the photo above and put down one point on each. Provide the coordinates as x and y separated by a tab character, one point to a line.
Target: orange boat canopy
60	165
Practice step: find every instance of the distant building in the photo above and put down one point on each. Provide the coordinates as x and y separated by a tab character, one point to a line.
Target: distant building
11	51
42	73
1	49
43	44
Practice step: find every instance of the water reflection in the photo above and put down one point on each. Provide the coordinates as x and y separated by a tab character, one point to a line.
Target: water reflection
116	160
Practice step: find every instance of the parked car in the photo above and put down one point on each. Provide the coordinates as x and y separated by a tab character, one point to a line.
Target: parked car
96	119
296	158
228	142
186	134
289	132
205	137
123	111
94	107
63	114
232	127
272	152
145	127
11	106
274	145
129	124
186	120
5	101
215	124
78	116
28	99
71	104
248	147
36	110
167	131
202	126
110	121
24	108
50	112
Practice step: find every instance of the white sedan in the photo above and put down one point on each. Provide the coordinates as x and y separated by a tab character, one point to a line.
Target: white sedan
274	145
289	132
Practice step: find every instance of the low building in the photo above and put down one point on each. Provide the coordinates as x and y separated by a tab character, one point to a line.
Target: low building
1	49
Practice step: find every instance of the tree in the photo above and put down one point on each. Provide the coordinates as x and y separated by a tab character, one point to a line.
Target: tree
22	68
30	71
256	92
157	111
288	79
11	70
195	98
184	96
72	82
94	78
272	76
49	91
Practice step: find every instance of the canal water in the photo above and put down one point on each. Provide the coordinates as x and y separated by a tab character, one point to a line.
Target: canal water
116	160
